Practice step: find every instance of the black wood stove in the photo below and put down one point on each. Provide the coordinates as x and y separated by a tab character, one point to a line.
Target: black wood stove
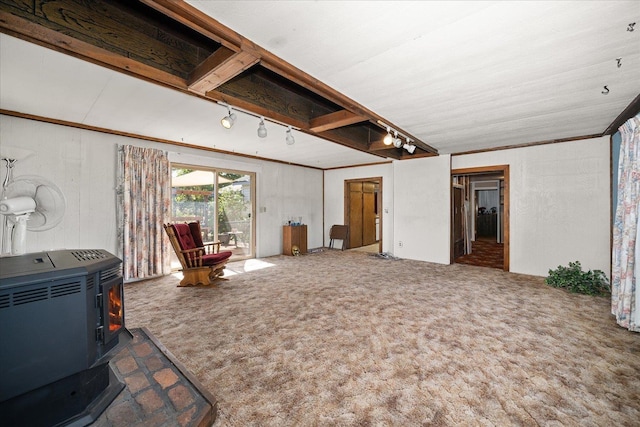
61	315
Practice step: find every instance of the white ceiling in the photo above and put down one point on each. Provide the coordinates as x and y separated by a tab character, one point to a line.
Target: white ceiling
458	75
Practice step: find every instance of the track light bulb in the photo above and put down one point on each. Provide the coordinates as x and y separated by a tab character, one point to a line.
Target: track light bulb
388	139
290	139
228	120
262	129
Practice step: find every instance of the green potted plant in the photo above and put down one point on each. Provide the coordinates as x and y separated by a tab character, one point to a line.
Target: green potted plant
573	279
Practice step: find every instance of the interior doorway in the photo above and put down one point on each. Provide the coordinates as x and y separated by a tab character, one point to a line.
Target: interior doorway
480	216
363	207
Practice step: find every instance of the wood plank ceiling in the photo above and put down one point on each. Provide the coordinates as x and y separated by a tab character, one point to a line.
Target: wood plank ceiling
175	45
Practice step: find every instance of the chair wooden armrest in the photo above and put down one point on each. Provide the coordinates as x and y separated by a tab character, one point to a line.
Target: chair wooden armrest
193	257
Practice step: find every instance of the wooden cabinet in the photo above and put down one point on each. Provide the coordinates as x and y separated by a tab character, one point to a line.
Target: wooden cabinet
294	235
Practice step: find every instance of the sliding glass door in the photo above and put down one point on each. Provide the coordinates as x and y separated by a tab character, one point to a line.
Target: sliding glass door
223	202
235	213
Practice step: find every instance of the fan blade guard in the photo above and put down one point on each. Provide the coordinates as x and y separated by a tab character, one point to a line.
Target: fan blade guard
50	202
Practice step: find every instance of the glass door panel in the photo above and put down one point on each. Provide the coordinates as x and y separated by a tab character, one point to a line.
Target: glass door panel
193	199
235	213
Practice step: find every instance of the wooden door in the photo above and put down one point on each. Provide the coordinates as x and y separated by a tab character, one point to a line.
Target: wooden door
368	213
458	223
355	214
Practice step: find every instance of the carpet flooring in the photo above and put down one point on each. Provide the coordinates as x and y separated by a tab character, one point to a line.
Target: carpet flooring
485	252
351	339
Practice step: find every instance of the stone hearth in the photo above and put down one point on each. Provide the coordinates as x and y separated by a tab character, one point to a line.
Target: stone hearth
159	390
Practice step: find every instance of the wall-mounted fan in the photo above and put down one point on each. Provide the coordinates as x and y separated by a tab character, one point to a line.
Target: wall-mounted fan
32	203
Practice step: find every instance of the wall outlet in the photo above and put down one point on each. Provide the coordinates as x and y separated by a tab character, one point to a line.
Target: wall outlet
400	243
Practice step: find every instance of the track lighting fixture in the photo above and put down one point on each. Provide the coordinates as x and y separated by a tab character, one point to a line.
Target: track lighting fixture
290	139
410	148
262	129
395	139
227	121
230	118
397	142
388	139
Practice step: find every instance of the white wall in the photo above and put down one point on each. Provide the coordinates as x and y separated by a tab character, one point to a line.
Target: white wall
334	198
83	164
422	220
415	200
288	191
559	203
560	195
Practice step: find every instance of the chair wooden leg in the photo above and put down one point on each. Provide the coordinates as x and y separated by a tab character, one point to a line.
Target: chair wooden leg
217	271
195	276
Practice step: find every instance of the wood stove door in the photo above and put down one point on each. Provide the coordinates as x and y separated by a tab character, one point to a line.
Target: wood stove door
111	300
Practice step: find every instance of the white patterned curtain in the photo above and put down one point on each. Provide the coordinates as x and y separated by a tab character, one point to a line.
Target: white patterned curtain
625	304
144	206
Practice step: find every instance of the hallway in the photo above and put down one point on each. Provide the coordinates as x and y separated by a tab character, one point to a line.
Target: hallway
485	252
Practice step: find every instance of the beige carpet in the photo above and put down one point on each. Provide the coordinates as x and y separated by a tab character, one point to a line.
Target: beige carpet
349	339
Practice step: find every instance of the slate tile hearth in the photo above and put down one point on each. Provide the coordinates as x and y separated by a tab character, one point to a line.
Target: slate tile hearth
158	391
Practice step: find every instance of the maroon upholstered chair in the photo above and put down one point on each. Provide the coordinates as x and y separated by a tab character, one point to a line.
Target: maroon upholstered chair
202	263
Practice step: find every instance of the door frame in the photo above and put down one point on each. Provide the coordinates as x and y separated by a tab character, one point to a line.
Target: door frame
455	187
378	180
504	169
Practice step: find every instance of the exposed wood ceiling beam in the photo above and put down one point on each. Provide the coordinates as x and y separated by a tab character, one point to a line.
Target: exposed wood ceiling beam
286	70
213	61
220	67
51	39
299	124
379	147
416	155
333	135
195	19
334	120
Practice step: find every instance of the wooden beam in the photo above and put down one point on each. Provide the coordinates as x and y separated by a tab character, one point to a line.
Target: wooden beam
416	155
195	19
220	67
334	120
34	33
360	146
301	78
379	145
